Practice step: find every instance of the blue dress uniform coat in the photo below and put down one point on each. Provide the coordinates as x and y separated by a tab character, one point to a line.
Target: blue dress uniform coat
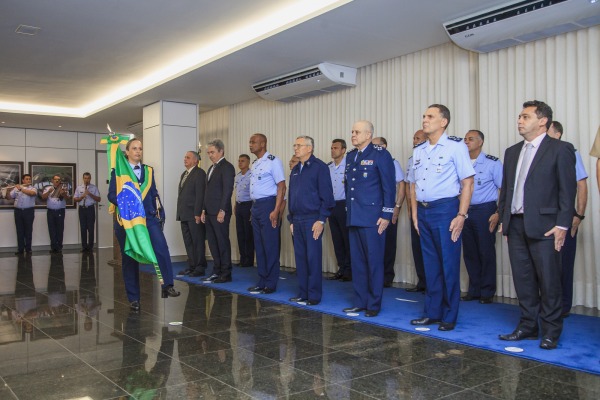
479	244
310	200
370	195
157	238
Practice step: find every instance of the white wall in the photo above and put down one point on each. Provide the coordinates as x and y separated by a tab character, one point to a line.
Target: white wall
32	145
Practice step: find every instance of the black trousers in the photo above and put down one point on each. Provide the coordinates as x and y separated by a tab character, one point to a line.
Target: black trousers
194	237
24	223
389	254
536	268
340	237
56	228
220	247
87	223
245	236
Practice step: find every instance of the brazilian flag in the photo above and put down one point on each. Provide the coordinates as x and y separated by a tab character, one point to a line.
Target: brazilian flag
130	208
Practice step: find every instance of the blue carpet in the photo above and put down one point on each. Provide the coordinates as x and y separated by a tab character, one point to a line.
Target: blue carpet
478	324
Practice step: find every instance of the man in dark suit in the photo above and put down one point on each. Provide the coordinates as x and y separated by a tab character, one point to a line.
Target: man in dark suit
217	211
536	211
190	202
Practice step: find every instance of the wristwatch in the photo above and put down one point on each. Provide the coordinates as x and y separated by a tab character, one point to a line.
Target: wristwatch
581	217
465	216
398	205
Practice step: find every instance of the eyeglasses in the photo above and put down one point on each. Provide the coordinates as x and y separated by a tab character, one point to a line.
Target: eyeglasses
300	145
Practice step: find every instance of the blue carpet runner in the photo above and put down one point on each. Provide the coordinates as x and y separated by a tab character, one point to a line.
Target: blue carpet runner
478	324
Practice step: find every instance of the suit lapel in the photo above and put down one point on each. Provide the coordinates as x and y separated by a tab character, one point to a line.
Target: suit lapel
539	154
511	164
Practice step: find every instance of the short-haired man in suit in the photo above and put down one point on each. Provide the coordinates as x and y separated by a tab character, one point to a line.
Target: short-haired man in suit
536	211
217	211
190	202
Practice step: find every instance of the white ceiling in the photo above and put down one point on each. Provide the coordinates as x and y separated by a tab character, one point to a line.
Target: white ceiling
85	49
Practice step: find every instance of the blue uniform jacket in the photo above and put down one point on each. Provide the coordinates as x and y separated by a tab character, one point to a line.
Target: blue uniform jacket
370	186
149	201
311	192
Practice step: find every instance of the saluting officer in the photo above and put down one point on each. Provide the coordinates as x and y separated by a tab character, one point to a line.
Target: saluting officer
267	189
24	195
370	192
441	185
479	232
310	203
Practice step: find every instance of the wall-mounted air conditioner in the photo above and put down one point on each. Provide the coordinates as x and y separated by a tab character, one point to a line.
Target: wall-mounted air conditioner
308	82
519	22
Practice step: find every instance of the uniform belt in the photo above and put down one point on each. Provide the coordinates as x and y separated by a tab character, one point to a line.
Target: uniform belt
433	203
86	206
481	205
517	215
244	202
340	201
269	198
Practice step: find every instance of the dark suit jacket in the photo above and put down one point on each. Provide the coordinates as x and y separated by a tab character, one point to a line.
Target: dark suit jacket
219	188
190	200
550	187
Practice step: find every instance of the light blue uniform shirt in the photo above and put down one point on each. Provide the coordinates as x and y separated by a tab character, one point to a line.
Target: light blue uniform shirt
267	172
409	171
398	171
54	202
579	168
488	179
438	170
242	186
337	179
23	200
87	201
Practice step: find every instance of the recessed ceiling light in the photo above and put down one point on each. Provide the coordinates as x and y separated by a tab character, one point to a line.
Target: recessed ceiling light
60	126
27	30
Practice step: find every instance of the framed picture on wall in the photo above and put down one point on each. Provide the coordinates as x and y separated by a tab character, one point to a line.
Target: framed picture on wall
10	175
41	177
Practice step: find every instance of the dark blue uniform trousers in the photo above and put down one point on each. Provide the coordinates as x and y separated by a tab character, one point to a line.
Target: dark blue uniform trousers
415	243
442	259
56	228
479	250
389	255
309	259
87	223
130	267
24	224
568	266
266	243
245	237
340	237
367	247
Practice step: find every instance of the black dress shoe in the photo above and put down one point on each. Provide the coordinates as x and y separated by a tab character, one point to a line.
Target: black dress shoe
297	299
19	253
169	292
486	300
415	289
424	321
267	291
346	278
548	343
134	306
469	298
565	314
211	278
371	313
519	335
186	271
387	284
312	302
337	276
353	309
446	326
255	289
196	273
222	280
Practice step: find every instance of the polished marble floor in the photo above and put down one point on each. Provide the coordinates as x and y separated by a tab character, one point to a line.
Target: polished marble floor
66	332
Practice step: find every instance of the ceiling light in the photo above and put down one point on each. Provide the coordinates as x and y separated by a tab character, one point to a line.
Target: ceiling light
27	30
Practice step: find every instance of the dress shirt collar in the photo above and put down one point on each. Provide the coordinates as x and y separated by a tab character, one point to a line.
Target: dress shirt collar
535	142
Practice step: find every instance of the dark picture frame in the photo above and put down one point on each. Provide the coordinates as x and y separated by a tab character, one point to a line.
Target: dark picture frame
10	175
41	177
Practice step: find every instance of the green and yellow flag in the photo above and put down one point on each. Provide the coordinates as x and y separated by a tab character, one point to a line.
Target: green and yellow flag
130	211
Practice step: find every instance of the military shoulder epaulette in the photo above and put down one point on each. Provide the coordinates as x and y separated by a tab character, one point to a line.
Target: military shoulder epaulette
409	157
254	161
455	138
330	162
378	147
271	157
491	157
418	144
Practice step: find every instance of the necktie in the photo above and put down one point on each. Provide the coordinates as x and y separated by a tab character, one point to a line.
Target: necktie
358	155
84	197
212	168
185	175
517	205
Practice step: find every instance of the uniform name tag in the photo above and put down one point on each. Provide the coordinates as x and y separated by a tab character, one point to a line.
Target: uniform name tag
438	169
366	162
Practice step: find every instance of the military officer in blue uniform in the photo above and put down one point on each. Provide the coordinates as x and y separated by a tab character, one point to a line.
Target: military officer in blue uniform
370	193
87	196
243	204
130	267
267	189
391	233
337	219
56	196
24	195
441	185
570	247
479	232
310	202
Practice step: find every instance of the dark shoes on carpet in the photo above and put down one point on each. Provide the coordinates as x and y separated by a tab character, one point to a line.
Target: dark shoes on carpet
424	321
371	313
353	309
261	290
519	335
415	289
446	326
548	343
